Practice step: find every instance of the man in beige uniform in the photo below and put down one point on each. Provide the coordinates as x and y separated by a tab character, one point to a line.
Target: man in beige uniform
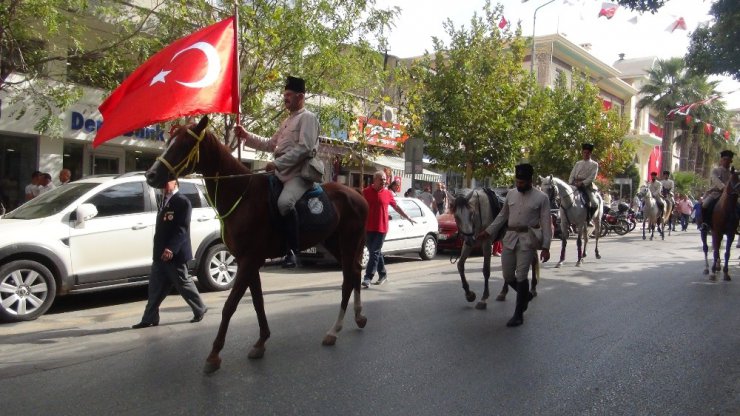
582	177
528	207
717	182
293	145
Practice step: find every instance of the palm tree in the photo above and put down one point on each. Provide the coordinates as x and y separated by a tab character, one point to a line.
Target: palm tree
668	86
703	146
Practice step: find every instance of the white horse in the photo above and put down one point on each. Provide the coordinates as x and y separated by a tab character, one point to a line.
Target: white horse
650	211
573	211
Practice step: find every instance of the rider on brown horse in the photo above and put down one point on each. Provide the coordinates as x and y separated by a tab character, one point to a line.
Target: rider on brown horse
294	145
718	180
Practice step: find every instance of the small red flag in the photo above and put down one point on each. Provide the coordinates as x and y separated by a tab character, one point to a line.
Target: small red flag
678	24
608	10
708	128
196	74
502	24
727	135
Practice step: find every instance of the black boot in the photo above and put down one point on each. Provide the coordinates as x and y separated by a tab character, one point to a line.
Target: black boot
522	300
290	222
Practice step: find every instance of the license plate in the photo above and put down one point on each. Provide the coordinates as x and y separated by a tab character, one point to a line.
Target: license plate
442	237
311	250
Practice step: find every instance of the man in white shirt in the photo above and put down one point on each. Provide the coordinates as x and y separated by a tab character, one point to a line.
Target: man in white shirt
582	177
45	183
32	189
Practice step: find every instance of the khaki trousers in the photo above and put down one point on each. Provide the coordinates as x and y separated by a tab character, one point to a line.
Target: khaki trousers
515	263
293	190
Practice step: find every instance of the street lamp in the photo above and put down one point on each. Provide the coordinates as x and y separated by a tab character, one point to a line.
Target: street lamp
534	21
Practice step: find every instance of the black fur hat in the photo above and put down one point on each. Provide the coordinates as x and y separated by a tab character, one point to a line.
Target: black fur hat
295	84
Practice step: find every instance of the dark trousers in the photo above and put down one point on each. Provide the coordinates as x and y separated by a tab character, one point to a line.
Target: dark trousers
374	242
441	208
163	276
684	221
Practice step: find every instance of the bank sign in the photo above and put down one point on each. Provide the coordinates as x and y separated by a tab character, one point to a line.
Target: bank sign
89	125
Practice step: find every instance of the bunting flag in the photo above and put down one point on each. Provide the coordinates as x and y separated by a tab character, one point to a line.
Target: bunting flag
608	10
196	74
685	109
678	24
633	20
503	23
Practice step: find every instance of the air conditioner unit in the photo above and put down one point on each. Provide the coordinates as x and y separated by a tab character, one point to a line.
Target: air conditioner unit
389	114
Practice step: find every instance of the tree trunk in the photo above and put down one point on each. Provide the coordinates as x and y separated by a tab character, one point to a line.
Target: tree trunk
667	146
683	162
693	152
469	173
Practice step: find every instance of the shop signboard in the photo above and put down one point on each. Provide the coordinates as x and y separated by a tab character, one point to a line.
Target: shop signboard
379	133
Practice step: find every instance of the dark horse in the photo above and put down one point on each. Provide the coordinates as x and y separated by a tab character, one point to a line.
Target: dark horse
474	212
724	223
241	200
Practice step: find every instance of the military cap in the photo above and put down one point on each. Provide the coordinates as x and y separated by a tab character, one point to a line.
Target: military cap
524	171
295	84
587	146
726	153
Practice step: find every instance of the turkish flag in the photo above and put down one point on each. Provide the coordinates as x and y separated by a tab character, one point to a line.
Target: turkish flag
680	23
196	74
608	10
502	24
655	161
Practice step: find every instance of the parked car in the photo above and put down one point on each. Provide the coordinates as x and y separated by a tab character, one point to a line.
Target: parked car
402	237
96	233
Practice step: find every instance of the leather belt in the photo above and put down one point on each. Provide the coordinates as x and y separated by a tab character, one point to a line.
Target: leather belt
523	229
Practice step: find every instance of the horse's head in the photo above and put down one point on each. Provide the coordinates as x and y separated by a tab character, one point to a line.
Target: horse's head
548	188
464	214
180	154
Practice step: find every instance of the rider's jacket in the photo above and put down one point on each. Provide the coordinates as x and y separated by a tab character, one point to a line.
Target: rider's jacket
719	178
667	186
584	170
655	188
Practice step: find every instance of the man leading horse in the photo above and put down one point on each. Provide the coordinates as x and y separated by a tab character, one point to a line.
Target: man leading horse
294	145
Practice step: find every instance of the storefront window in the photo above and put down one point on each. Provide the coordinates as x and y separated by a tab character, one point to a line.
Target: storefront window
18	160
72	159
138	160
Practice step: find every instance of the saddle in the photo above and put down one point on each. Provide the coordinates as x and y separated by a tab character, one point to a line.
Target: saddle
315	210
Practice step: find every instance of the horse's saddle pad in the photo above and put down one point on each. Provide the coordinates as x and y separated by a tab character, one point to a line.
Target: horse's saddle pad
315	210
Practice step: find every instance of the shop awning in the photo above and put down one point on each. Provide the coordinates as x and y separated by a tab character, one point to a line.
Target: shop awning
397	166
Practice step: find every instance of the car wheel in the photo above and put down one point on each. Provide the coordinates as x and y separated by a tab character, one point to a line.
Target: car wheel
217	269
27	290
428	248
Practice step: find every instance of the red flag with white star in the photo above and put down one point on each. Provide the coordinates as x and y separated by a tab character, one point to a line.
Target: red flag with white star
196	74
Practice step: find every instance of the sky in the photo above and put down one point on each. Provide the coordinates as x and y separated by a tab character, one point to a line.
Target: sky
578	20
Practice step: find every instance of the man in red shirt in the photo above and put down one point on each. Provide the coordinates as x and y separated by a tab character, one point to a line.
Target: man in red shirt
378	198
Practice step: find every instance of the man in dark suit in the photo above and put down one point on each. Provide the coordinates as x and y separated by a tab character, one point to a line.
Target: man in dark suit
171	253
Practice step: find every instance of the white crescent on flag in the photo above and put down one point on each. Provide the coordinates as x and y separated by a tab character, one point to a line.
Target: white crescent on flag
214	65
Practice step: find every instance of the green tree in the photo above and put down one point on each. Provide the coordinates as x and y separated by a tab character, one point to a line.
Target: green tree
577	116
467	100
651	6
713	48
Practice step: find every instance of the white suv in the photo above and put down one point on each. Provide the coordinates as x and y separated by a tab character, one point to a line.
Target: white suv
97	233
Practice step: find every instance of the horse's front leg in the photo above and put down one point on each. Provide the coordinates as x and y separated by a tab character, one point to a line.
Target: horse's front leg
643	230
703	234
241	282
487	248
579	243
716	244
351	280
728	247
535	275
564	234
597	235
464	253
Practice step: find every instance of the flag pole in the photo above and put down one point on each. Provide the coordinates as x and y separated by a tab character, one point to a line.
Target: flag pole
238	77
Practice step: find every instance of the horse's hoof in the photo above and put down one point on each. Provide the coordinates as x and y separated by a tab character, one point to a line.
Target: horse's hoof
706	271
598	256
534	293
481	305
256	352
643	237
361	321
501	297
557	266
470	296
212	366
727	278
329	340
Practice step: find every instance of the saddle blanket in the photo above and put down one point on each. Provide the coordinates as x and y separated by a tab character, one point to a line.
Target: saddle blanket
315	210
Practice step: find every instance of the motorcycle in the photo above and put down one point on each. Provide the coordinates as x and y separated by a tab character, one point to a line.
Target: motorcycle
630	217
611	222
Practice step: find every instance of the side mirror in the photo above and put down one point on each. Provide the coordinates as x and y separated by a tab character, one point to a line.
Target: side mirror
83	213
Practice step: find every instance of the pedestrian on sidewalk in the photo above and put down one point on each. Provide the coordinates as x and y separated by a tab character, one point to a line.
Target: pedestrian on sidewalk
528	215
376	226
172	251
684	208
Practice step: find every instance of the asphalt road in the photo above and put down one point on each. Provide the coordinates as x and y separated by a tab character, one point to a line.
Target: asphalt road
640	332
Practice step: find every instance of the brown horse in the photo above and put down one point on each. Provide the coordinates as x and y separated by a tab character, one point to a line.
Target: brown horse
724	223
240	198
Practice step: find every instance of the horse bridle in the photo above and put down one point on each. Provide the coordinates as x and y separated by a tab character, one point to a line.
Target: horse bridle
193	157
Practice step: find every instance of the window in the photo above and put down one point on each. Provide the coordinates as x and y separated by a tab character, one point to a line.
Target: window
190	191
121	199
411	208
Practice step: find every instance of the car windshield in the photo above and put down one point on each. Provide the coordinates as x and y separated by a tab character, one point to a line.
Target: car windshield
51	202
